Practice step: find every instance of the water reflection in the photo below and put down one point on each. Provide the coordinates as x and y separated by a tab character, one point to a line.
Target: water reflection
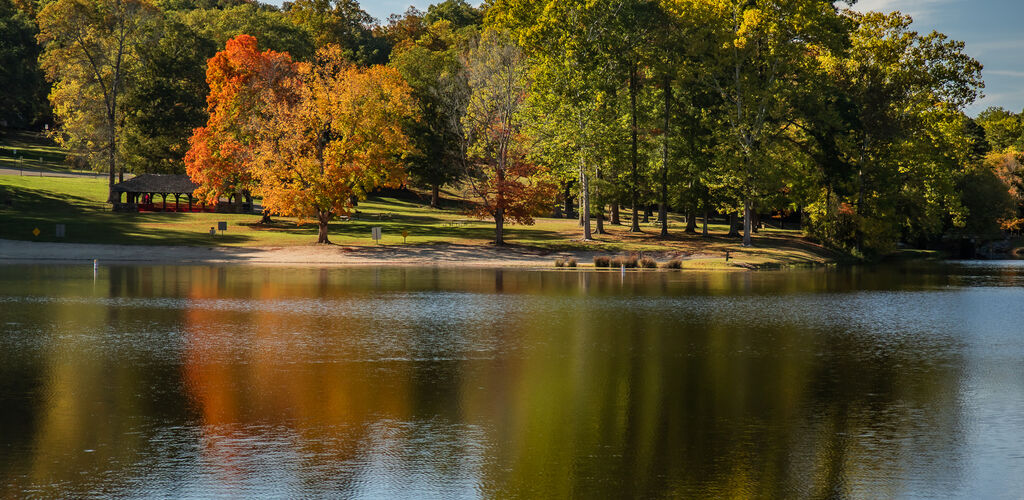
208	381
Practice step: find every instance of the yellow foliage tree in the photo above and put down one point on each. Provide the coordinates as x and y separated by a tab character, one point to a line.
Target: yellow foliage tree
342	138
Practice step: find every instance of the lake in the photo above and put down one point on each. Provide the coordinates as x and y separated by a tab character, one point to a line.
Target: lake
175	381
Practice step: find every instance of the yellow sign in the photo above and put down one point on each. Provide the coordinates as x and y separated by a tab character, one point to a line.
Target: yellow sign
405	234
35	231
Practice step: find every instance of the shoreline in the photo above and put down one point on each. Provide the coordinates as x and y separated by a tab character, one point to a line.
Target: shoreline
441	255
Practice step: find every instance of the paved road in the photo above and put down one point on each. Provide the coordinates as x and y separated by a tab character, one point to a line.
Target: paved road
46	173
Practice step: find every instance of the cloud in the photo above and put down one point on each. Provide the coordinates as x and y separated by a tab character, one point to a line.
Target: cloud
918	9
1003	72
1014	44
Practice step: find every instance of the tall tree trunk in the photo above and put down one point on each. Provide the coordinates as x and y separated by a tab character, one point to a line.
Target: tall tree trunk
704	230
435	196
663	206
499	226
691	221
732	225
615	214
746	223
112	197
568	200
499	212
647	214
859	233
322	217
600	203
635	227
585	200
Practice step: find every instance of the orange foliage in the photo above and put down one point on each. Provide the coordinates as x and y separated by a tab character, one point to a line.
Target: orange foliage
1013	225
1008	167
519	191
244	83
341	138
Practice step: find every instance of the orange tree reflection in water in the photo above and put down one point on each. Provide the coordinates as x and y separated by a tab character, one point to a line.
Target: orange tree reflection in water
376	382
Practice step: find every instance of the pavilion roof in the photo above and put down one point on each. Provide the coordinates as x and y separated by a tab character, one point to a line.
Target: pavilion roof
157	183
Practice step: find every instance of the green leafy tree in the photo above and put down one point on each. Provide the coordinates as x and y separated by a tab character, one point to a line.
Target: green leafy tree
457	12
91	50
757	50
908	140
23	101
433	68
1003	129
166	100
271	27
340	22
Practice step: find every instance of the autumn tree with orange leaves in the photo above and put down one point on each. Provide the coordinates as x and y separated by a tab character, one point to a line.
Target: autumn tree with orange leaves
341	138
245	86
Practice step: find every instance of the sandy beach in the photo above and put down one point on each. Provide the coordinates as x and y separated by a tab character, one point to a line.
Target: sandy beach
12	251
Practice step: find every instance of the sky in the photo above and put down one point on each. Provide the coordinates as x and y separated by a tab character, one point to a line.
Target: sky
990	28
991	31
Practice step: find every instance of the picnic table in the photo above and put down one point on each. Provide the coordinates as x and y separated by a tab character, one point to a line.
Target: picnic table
457	222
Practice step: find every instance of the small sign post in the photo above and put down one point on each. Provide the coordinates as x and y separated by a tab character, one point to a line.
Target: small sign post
405	234
222	226
375	232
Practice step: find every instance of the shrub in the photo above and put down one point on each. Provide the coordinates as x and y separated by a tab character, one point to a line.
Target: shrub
629	261
559	262
602	261
648	263
571	262
674	264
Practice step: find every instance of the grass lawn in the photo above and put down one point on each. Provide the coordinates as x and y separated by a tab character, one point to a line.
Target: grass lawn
27	203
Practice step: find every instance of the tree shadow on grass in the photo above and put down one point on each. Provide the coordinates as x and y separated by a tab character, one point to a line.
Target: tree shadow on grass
416	227
22	210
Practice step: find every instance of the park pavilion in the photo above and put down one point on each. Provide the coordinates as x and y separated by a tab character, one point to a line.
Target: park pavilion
169	193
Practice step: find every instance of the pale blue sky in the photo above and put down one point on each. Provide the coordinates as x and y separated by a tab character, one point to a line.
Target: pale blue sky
991	29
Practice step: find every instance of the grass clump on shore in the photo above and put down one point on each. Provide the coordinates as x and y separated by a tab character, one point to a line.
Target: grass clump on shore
648	263
673	264
627	261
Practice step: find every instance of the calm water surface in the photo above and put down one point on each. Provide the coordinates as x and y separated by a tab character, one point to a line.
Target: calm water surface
213	381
